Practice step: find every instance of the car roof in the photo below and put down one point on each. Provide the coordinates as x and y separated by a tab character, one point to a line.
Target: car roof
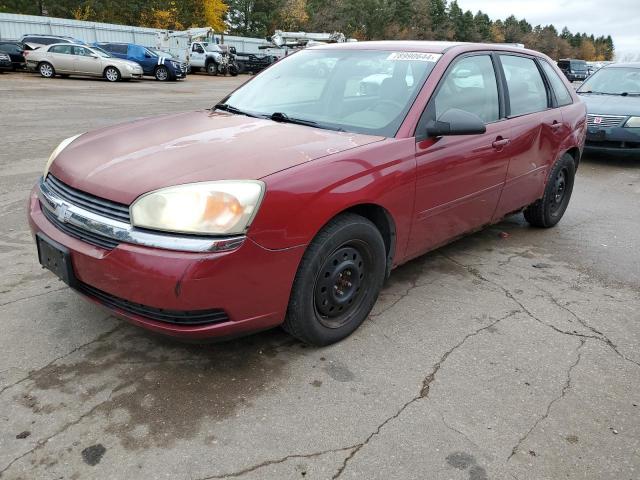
423	46
67	44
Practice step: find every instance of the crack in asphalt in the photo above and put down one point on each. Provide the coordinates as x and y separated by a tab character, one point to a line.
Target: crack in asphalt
459	432
596	334
32	296
592	329
563	392
76	349
277	461
424	391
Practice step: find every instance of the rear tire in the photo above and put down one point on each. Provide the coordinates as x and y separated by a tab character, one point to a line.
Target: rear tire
547	211
338	281
46	70
112	74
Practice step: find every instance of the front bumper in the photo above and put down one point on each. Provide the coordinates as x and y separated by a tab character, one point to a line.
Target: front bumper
250	285
618	141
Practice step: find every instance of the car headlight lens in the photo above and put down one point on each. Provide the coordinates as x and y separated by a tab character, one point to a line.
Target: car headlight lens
63	144
633	122
209	208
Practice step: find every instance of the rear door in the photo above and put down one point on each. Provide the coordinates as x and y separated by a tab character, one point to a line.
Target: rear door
61	58
536	131
459	178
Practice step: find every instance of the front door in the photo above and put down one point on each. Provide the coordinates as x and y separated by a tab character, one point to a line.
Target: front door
86	62
460	178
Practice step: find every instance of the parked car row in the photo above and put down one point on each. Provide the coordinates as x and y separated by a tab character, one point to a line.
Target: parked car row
52	55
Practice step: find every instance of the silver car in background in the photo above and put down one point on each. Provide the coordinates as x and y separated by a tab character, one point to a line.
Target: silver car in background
71	59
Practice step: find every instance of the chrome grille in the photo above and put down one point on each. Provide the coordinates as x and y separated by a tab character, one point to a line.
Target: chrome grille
604	121
80	233
97	205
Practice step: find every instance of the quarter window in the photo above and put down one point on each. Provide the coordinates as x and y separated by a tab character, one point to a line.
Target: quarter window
527	92
470	86
563	96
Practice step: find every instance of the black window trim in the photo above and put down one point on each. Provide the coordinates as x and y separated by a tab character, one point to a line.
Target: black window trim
545	81
553	92
420	130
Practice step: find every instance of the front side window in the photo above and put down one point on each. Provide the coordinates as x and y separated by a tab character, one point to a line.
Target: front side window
563	96
470	85
527	92
362	91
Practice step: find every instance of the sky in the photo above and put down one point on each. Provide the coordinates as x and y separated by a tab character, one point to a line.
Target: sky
618	18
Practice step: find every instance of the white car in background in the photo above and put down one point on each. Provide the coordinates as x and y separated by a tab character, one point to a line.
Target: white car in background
70	59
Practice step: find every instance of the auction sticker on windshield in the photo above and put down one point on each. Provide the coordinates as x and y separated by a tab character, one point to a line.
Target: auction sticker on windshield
414	56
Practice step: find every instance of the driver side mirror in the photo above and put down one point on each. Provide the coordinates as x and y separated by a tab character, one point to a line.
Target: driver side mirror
93	55
456	122
146	55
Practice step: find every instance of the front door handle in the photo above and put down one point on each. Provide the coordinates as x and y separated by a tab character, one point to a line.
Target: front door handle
556	125
500	142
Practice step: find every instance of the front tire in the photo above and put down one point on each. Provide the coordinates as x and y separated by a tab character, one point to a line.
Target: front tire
46	70
112	74
162	73
212	68
547	211
338	281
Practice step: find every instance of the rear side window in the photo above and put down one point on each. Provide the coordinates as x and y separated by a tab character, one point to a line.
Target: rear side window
65	49
527	92
470	86
563	96
117	48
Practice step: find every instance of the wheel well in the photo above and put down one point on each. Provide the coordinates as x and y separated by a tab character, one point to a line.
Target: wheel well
575	153
104	72
383	221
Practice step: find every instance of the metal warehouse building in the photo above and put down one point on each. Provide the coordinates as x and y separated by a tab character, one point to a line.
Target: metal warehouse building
14	26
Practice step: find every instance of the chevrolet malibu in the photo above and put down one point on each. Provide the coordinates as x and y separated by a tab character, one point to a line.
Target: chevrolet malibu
291	201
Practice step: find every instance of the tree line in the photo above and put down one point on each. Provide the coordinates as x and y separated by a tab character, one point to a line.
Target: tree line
360	19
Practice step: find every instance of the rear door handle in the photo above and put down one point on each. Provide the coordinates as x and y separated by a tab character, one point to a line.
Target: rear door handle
556	125
501	142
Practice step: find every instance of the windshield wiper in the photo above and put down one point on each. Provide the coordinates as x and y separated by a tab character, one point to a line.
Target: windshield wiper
228	108
626	94
284	118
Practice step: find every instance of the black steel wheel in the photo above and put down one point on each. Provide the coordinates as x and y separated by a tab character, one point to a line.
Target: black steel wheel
338	281
547	211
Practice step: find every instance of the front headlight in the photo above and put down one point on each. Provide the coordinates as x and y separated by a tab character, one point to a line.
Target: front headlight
633	122
63	144
223	207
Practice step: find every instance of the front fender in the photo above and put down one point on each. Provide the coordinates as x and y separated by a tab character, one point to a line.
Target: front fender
301	200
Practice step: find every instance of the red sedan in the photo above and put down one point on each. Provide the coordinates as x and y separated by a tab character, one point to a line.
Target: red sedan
293	199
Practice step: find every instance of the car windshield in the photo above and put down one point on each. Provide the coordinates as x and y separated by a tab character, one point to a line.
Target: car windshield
362	91
613	81
101	52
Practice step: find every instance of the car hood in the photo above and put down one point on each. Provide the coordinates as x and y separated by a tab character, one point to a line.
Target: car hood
611	104
122	162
